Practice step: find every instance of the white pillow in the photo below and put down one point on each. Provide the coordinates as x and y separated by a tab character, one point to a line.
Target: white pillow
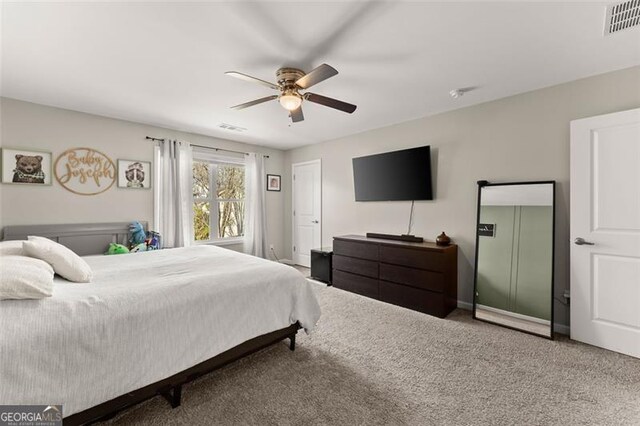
11	248
23	277
66	263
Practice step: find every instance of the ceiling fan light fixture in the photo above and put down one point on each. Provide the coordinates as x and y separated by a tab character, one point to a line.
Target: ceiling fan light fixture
290	101
456	93
290	82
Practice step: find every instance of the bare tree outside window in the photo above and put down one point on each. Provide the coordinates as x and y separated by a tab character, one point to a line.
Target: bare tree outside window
230	186
218	214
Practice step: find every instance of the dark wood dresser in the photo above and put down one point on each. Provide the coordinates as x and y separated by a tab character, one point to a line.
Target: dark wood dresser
418	276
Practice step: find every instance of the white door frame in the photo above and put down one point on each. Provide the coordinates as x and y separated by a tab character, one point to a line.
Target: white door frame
293	202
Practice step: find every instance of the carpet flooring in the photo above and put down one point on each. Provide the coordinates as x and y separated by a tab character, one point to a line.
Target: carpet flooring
370	363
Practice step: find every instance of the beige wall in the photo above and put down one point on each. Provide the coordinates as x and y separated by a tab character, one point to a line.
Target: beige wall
523	137
27	125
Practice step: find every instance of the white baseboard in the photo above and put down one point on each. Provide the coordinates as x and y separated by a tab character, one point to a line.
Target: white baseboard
558	328
465	305
288	262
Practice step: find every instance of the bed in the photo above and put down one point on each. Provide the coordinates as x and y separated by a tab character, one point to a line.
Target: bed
146	324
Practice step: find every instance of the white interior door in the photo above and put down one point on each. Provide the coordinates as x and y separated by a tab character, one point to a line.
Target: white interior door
605	213
307	210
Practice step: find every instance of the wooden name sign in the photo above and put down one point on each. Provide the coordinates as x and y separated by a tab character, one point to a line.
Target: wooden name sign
85	171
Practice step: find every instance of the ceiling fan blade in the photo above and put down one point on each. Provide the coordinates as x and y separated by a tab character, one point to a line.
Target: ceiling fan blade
296	115
317	75
330	102
252	79
255	102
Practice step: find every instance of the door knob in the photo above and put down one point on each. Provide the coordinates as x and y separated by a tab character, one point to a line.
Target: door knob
315	221
581	242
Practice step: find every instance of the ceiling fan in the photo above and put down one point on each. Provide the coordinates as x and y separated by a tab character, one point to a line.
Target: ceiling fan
290	82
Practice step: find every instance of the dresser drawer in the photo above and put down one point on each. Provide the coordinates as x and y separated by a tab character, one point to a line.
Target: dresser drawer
426	280
355	249
367	268
355	283
425	301
421	259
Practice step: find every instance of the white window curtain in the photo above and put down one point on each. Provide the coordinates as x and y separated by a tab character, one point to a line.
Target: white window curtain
172	192
255	228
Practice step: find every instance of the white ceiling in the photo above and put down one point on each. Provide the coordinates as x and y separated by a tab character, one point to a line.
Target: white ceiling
164	63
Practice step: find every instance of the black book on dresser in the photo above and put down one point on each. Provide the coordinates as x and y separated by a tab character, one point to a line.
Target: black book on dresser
419	276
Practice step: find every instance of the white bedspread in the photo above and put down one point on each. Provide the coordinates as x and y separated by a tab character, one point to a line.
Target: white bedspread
143	318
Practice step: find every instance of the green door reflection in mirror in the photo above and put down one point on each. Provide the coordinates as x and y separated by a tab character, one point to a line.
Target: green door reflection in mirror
514	255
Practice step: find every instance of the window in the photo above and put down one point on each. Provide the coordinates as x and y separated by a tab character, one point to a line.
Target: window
218	200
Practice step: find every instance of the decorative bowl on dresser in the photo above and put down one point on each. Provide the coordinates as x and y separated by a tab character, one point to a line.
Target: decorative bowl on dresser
418	276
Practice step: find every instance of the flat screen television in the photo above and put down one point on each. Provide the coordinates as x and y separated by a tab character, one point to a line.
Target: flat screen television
394	176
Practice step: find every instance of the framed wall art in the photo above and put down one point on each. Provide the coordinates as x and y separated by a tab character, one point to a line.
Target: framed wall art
26	166
134	174
273	182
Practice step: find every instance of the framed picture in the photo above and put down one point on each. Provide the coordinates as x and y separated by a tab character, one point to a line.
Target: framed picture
273	182
26	166
134	174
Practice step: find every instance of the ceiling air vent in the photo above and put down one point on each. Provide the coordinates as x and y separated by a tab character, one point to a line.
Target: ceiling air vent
233	128
622	16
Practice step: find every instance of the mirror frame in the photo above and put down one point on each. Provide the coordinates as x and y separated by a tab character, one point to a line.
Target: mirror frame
483	184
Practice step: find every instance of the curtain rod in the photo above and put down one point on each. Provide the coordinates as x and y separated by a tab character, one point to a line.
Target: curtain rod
206	147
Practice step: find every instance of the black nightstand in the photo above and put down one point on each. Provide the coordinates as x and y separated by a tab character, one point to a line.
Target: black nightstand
321	264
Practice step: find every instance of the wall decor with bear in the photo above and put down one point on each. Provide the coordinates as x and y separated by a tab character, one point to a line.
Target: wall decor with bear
25	166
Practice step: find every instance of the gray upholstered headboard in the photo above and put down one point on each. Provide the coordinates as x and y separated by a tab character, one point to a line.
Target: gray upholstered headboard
84	238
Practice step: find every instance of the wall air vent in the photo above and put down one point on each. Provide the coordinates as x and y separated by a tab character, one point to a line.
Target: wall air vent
622	16
233	128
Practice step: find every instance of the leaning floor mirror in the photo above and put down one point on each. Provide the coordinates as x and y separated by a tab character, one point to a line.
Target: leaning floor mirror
514	255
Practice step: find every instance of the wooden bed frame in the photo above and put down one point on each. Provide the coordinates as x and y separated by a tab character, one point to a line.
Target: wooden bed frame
94	238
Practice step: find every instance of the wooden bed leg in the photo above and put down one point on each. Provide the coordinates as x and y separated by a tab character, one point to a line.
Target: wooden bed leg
177	396
173	395
292	342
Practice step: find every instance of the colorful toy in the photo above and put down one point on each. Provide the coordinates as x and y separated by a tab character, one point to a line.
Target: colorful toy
153	241
139	248
117	249
143	241
137	234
